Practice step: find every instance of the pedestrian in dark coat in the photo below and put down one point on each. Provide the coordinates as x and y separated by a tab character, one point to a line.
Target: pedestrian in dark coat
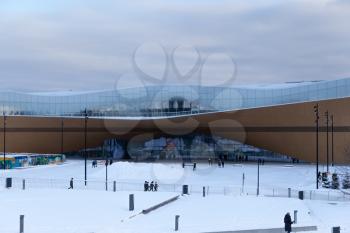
222	163
71	184
151	186
145	186
156	186
288	223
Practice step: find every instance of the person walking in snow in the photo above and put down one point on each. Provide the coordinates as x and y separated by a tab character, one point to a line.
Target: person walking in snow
151	186
288	223
71	184
156	186
145	186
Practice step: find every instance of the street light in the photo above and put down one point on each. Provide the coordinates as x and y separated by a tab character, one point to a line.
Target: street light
326	114
4	128
85	140
332	119
103	151
62	125
258	178
316	121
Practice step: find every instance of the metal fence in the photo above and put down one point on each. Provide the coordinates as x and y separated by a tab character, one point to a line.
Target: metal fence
40	183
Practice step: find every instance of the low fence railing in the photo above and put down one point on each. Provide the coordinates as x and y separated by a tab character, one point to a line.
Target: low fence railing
42	183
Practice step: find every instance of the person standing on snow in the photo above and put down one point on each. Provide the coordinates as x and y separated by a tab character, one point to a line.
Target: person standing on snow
151	186
145	186
209	161
288	223
156	186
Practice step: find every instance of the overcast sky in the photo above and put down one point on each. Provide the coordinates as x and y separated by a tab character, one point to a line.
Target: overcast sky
89	44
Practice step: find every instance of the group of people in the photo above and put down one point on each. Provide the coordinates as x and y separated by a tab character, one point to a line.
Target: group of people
261	161
221	162
153	186
94	163
242	158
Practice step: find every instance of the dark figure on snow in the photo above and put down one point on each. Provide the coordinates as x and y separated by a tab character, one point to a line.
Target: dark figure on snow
156	186
219	163
288	223
151	186
145	186
71	184
111	162
209	161
222	163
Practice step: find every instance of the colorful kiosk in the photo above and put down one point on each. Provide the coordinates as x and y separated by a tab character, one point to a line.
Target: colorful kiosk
28	160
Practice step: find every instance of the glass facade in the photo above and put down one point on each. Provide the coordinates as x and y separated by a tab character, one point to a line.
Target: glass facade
156	101
194	146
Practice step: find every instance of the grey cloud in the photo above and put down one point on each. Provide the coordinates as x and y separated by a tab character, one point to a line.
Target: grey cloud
87	44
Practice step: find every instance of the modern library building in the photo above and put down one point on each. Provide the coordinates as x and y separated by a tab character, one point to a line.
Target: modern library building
174	121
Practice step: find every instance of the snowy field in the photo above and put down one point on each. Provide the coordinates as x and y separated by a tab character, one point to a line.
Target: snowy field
271	175
90	211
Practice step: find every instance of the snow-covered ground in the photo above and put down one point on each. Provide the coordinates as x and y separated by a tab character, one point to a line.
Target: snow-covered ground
299	176
87	211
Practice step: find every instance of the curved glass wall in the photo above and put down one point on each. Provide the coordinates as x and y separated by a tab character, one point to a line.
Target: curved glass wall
155	101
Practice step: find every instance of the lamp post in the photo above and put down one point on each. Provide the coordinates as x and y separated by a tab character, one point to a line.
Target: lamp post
326	114
106	156
85	140
62	125
258	179
316	121
4	128
332	127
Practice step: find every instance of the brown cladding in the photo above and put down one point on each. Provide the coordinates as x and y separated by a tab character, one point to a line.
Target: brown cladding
288	129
